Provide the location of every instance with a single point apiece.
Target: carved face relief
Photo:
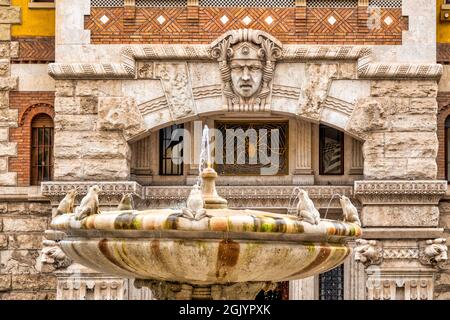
(246, 76)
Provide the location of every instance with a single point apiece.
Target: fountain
(206, 250)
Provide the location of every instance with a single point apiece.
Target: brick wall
(35, 50)
(444, 112)
(289, 25)
(29, 104)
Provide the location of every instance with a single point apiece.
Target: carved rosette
(270, 50)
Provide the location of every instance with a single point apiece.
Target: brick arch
(29, 113)
(22, 135)
(444, 113)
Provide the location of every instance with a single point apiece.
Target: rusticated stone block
(19, 224)
(73, 122)
(4, 134)
(8, 149)
(25, 241)
(4, 50)
(10, 83)
(5, 282)
(3, 241)
(90, 145)
(406, 145)
(4, 99)
(19, 208)
(5, 32)
(9, 117)
(10, 14)
(111, 170)
(3, 164)
(42, 295)
(18, 261)
(64, 88)
(33, 282)
(4, 68)
(67, 105)
(88, 105)
(14, 49)
(120, 114)
(5, 2)
(8, 179)
(40, 208)
(409, 89)
(400, 216)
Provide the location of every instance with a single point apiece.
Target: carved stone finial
(67, 205)
(247, 62)
(306, 209)
(89, 204)
(349, 210)
(368, 252)
(434, 253)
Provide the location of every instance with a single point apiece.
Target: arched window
(447, 147)
(41, 165)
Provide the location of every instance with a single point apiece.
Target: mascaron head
(247, 64)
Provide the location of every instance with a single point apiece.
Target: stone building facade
(353, 86)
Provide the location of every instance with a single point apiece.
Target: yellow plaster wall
(35, 22)
(443, 28)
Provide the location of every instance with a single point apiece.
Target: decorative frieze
(126, 69)
(400, 192)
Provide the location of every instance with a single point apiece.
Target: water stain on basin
(227, 257)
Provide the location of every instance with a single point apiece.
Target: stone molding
(250, 196)
(400, 192)
(59, 189)
(127, 68)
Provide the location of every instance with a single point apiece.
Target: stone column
(301, 137)
(8, 117)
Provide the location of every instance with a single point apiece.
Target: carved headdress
(250, 87)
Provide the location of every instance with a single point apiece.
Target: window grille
(331, 284)
(171, 151)
(247, 148)
(161, 3)
(332, 3)
(247, 3)
(41, 149)
(331, 146)
(385, 3)
(107, 3)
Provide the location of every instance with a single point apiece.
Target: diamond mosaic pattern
(248, 3)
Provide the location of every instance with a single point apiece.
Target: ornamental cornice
(127, 67)
(398, 192)
(59, 189)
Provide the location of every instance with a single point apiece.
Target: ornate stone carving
(249, 196)
(306, 209)
(434, 253)
(153, 106)
(349, 210)
(89, 204)
(368, 252)
(67, 205)
(175, 80)
(56, 189)
(407, 253)
(247, 63)
(126, 69)
(396, 192)
(53, 255)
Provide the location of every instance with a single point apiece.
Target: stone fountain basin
(228, 247)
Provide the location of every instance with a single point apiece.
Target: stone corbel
(368, 252)
(434, 253)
